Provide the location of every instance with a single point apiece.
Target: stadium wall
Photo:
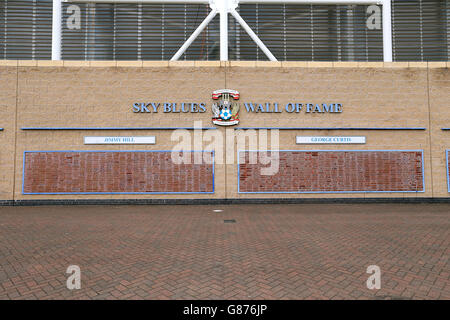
(48, 107)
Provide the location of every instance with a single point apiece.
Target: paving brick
(301, 251)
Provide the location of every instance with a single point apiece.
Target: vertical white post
(56, 30)
(387, 31)
(223, 30)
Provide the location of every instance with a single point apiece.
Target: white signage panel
(120, 140)
(330, 140)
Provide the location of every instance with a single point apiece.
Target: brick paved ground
(188, 252)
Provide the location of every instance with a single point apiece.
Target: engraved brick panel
(335, 171)
(114, 172)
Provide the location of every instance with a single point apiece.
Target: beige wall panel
(440, 118)
(99, 95)
(8, 76)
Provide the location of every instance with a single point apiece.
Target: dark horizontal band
(147, 201)
(330, 128)
(445, 129)
(116, 128)
(1, 129)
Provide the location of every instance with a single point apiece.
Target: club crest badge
(225, 110)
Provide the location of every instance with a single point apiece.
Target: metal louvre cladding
(25, 29)
(138, 32)
(420, 30)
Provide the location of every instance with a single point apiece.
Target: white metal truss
(223, 8)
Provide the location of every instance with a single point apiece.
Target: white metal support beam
(194, 35)
(253, 35)
(56, 29)
(223, 30)
(223, 7)
(387, 31)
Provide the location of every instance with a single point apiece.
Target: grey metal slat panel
(311, 33)
(420, 32)
(25, 29)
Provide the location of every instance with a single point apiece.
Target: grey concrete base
(217, 201)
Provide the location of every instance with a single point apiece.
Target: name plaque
(330, 140)
(120, 140)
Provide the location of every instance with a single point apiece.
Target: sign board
(330, 140)
(120, 140)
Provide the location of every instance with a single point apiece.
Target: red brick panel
(335, 171)
(111, 172)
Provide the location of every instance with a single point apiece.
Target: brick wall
(108, 172)
(8, 83)
(320, 171)
(101, 94)
(439, 83)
